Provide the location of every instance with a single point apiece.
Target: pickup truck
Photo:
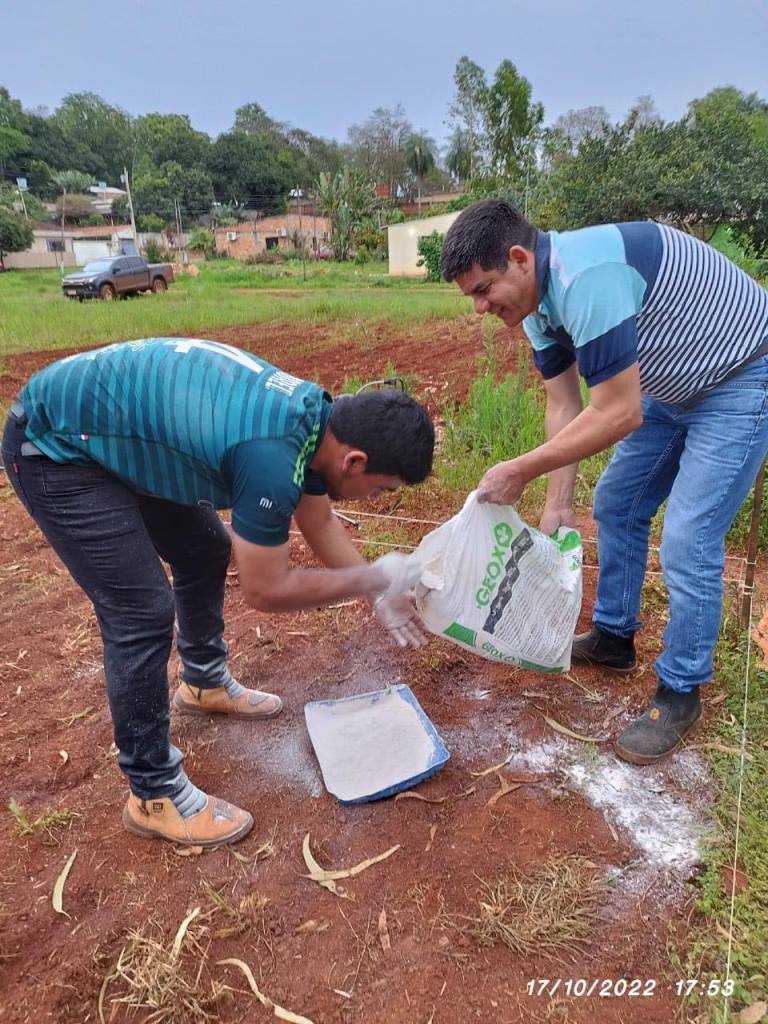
(121, 275)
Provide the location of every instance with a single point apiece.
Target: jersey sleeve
(264, 490)
(599, 311)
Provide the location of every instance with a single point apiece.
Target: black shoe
(596, 647)
(660, 730)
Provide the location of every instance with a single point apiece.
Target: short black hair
(484, 233)
(394, 431)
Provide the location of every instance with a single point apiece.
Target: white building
(404, 238)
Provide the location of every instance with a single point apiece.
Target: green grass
(34, 315)
(707, 953)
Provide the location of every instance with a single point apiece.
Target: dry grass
(167, 985)
(48, 822)
(549, 911)
(246, 914)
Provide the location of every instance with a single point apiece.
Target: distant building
(283, 231)
(74, 247)
(404, 238)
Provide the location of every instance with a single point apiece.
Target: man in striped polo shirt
(672, 340)
(122, 455)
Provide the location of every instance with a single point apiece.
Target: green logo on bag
(503, 535)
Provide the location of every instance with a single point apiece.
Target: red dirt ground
(52, 966)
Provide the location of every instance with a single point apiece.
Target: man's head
(489, 251)
(375, 441)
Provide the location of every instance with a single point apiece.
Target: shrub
(204, 241)
(268, 256)
(430, 253)
(152, 251)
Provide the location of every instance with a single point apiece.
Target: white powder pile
(369, 744)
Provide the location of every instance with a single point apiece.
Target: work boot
(597, 647)
(660, 730)
(217, 823)
(233, 699)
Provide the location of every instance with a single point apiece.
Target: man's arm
(615, 410)
(271, 585)
(324, 533)
(564, 404)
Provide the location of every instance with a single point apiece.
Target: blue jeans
(703, 457)
(111, 540)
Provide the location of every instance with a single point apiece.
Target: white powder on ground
(664, 825)
(366, 746)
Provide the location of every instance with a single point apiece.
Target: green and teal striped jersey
(187, 420)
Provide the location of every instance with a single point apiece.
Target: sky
(323, 66)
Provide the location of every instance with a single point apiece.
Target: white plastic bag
(500, 588)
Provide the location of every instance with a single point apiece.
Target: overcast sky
(326, 64)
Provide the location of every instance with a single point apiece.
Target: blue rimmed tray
(373, 745)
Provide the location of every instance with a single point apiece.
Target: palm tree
(420, 155)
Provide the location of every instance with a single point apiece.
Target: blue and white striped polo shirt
(618, 294)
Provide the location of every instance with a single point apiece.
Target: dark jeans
(111, 540)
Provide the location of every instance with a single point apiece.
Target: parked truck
(121, 275)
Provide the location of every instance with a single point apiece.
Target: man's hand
(503, 484)
(551, 518)
(398, 614)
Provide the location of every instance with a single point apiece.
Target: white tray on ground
(374, 744)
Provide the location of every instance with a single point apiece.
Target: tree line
(707, 168)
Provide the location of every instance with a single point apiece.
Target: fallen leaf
(58, 888)
(310, 926)
(504, 788)
(493, 768)
(386, 945)
(73, 718)
(611, 715)
(280, 1012)
(752, 1014)
(64, 756)
(432, 833)
(318, 873)
(188, 851)
(341, 992)
(176, 949)
(722, 748)
(569, 732)
(410, 795)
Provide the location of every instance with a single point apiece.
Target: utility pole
(130, 208)
(301, 236)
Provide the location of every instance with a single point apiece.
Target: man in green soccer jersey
(122, 455)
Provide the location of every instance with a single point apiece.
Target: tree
(11, 199)
(512, 121)
(420, 154)
(99, 133)
(376, 148)
(576, 125)
(15, 233)
(13, 128)
(76, 208)
(164, 138)
(347, 199)
(67, 182)
(156, 190)
(458, 159)
(467, 113)
(250, 171)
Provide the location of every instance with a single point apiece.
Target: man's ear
(354, 463)
(520, 257)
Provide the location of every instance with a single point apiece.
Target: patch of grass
(707, 952)
(167, 984)
(550, 911)
(499, 420)
(48, 822)
(37, 317)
